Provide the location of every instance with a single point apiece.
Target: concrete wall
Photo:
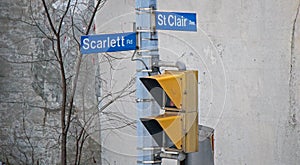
(247, 54)
(117, 71)
(30, 93)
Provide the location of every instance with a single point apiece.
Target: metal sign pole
(147, 54)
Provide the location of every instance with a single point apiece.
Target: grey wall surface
(247, 54)
(118, 71)
(30, 93)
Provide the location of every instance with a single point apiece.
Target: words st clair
(173, 20)
(106, 42)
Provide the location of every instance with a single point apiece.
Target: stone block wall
(30, 92)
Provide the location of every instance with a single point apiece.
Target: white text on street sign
(175, 21)
(108, 43)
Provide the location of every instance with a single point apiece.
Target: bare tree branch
(49, 17)
(63, 16)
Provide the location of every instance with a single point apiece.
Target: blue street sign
(175, 21)
(108, 43)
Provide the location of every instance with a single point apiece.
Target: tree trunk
(64, 149)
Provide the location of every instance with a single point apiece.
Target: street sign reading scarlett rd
(108, 43)
(175, 21)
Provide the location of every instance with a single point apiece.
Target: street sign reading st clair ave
(108, 43)
(175, 21)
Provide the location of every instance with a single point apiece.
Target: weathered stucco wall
(30, 91)
(247, 54)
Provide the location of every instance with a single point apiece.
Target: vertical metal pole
(148, 52)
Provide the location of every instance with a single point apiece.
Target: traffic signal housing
(177, 93)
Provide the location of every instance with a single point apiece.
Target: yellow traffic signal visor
(165, 88)
(165, 129)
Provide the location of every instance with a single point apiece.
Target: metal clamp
(149, 161)
(147, 50)
(149, 148)
(151, 11)
(138, 100)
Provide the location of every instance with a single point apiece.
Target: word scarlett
(106, 42)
